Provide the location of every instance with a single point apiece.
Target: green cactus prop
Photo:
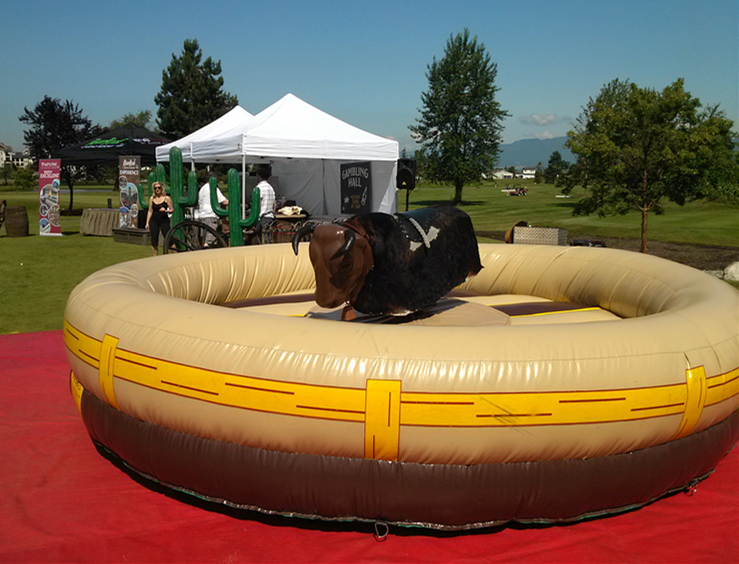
(233, 212)
(180, 197)
(161, 176)
(143, 198)
(214, 203)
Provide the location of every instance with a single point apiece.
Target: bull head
(341, 259)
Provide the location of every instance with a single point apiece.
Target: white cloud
(546, 134)
(539, 119)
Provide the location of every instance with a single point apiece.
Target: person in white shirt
(204, 212)
(266, 198)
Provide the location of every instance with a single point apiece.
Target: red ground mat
(62, 501)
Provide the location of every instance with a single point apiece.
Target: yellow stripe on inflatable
(382, 422)
(287, 398)
(383, 407)
(541, 408)
(722, 387)
(555, 312)
(84, 347)
(696, 388)
(106, 368)
(76, 389)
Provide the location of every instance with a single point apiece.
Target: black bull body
(392, 264)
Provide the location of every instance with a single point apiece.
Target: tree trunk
(71, 194)
(457, 193)
(644, 215)
(69, 178)
(644, 242)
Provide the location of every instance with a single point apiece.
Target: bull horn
(300, 233)
(348, 243)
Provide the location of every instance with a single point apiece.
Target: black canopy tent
(105, 148)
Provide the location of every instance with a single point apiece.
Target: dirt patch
(702, 257)
(68, 212)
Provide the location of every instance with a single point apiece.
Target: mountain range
(530, 152)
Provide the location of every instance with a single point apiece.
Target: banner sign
(49, 174)
(356, 187)
(129, 170)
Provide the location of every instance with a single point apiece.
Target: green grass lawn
(38, 273)
(706, 223)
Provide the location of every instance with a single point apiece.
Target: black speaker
(406, 177)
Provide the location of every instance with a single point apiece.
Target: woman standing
(157, 220)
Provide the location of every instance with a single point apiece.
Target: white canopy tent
(235, 118)
(306, 148)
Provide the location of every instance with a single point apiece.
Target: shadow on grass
(429, 203)
(30, 234)
(570, 205)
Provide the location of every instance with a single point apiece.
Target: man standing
(204, 211)
(266, 199)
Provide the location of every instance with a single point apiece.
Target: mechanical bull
(391, 264)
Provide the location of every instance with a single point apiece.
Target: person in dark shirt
(157, 218)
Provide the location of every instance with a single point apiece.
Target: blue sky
(365, 62)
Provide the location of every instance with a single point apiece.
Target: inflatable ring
(621, 387)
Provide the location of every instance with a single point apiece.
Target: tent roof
(236, 117)
(104, 149)
(292, 128)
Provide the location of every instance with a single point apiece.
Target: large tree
(555, 167)
(461, 121)
(53, 125)
(192, 93)
(142, 119)
(636, 146)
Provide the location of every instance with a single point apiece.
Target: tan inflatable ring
(559, 383)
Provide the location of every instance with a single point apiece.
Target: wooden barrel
(16, 221)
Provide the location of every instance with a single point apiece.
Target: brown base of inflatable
(440, 496)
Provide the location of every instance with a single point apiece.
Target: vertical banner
(49, 216)
(129, 170)
(356, 187)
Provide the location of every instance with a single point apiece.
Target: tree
(420, 157)
(636, 146)
(6, 172)
(555, 167)
(24, 178)
(460, 125)
(54, 125)
(539, 174)
(142, 119)
(191, 95)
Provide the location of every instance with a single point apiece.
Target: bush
(25, 179)
(725, 194)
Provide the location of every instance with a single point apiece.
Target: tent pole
(243, 186)
(192, 161)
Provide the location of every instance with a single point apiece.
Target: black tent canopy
(105, 149)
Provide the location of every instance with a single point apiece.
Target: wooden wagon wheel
(190, 235)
